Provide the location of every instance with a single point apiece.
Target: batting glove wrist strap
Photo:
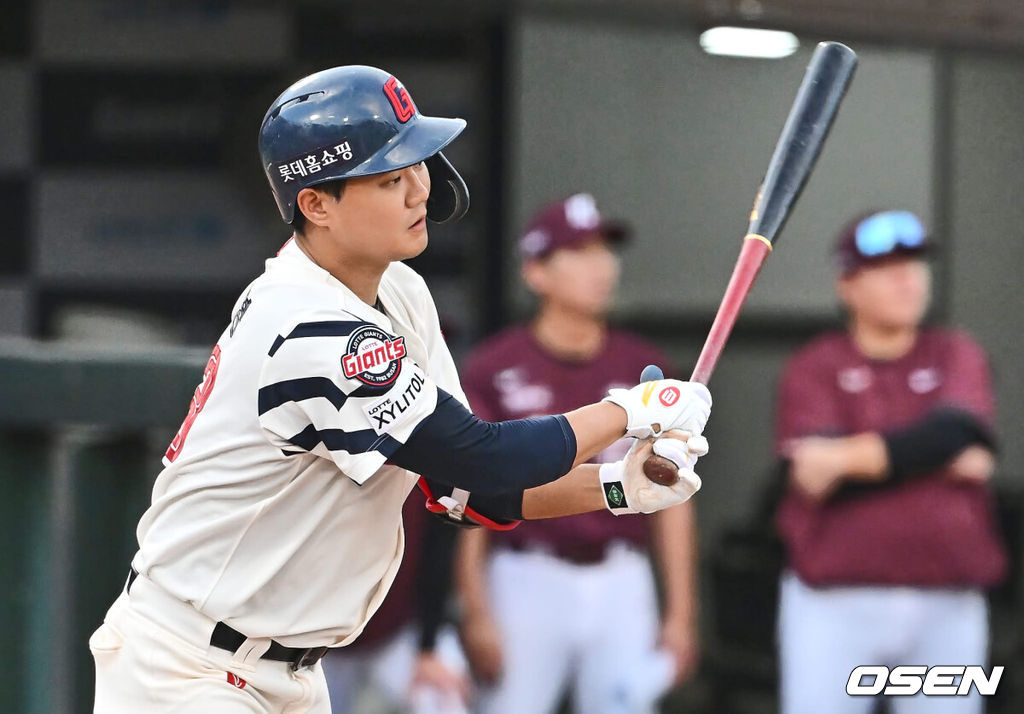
(613, 488)
(628, 490)
(653, 408)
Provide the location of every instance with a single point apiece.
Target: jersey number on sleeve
(196, 405)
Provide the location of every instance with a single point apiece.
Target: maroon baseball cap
(875, 236)
(568, 224)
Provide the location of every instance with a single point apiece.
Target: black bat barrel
(810, 118)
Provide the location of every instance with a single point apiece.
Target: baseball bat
(810, 118)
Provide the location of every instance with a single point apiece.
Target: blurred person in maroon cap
(886, 431)
(543, 605)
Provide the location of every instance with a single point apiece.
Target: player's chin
(415, 243)
(597, 306)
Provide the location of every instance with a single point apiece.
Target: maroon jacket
(926, 531)
(510, 376)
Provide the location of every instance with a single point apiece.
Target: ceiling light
(748, 42)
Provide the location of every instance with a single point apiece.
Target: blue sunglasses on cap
(884, 232)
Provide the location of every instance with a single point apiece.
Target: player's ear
(534, 276)
(845, 289)
(311, 203)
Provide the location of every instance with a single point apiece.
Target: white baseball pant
(824, 633)
(387, 670)
(152, 655)
(593, 627)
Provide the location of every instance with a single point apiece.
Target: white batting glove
(628, 490)
(682, 452)
(653, 408)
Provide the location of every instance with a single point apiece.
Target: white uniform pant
(354, 675)
(593, 627)
(824, 633)
(153, 655)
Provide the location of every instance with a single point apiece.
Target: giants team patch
(373, 356)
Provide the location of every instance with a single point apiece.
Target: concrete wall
(986, 256)
(677, 141)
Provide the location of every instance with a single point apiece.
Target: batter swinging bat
(810, 118)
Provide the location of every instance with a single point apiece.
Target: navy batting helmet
(356, 121)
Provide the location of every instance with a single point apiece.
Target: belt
(228, 638)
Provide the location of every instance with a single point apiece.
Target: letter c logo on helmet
(355, 121)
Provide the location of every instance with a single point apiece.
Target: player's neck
(362, 277)
(881, 342)
(569, 334)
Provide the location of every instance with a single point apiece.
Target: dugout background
(135, 210)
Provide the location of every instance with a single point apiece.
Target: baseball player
(535, 614)
(275, 527)
(408, 657)
(886, 429)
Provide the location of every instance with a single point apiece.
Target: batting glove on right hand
(653, 408)
(628, 490)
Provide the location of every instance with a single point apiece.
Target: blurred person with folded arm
(886, 432)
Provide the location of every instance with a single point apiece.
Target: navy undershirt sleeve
(454, 447)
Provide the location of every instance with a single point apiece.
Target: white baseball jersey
(276, 511)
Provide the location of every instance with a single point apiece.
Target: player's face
(893, 294)
(580, 279)
(383, 217)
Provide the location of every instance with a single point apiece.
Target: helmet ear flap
(449, 196)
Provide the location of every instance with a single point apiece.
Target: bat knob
(651, 373)
(660, 470)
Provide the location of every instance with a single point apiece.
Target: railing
(81, 433)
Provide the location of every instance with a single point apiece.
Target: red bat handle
(755, 251)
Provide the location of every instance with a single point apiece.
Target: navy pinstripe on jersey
(344, 390)
(326, 328)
